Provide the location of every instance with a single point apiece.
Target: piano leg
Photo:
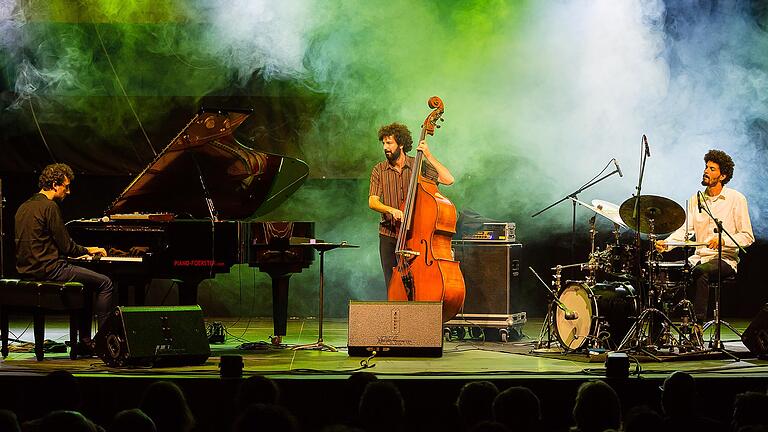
(188, 290)
(139, 287)
(280, 305)
(140, 291)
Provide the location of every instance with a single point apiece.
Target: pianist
(43, 243)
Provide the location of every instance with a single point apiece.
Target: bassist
(389, 185)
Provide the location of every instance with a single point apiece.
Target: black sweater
(42, 240)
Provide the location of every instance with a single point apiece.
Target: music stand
(321, 247)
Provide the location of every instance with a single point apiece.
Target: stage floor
(461, 358)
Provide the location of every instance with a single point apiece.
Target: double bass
(425, 269)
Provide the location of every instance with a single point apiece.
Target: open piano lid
(240, 182)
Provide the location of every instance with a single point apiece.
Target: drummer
(727, 205)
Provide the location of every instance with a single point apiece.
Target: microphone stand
(572, 196)
(637, 338)
(636, 216)
(715, 343)
(549, 321)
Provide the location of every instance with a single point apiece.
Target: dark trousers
(387, 254)
(95, 283)
(702, 275)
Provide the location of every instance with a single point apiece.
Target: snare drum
(604, 311)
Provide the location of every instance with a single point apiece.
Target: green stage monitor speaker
(413, 329)
(153, 336)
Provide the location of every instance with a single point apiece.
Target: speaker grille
(491, 276)
(395, 328)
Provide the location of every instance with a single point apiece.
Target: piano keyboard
(108, 259)
(154, 217)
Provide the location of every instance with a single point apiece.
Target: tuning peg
(442, 119)
(437, 126)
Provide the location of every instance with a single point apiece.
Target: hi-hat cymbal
(604, 208)
(666, 214)
(609, 210)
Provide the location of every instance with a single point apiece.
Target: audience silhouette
(165, 404)
(132, 420)
(518, 408)
(596, 408)
(381, 407)
(475, 402)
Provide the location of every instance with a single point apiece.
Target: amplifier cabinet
(491, 276)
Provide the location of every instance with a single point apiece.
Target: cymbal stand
(592, 266)
(715, 343)
(640, 335)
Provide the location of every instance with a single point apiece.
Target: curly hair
(53, 175)
(722, 159)
(401, 134)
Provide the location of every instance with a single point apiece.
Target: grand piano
(185, 216)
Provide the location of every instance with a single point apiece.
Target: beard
(394, 156)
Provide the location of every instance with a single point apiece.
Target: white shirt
(730, 207)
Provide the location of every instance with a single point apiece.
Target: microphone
(571, 315)
(647, 149)
(615, 162)
(698, 200)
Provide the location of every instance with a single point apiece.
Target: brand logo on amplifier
(385, 340)
(395, 321)
(166, 349)
(162, 348)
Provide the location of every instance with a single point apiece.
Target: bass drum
(600, 314)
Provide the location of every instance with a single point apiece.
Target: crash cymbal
(604, 208)
(667, 215)
(609, 210)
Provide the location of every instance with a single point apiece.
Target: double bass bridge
(408, 253)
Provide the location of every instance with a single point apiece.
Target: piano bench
(40, 298)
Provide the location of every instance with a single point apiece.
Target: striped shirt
(392, 187)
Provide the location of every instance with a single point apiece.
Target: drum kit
(628, 298)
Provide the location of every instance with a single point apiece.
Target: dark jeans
(702, 275)
(387, 254)
(95, 283)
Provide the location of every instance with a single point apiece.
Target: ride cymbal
(666, 214)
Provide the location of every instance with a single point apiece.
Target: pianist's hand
(96, 251)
